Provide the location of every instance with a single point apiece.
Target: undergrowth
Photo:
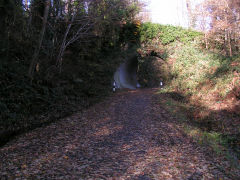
(166, 33)
(194, 66)
(202, 88)
(25, 105)
(205, 79)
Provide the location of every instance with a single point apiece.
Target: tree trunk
(206, 41)
(229, 44)
(226, 42)
(63, 45)
(37, 50)
(190, 14)
(26, 4)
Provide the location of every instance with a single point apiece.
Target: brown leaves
(122, 138)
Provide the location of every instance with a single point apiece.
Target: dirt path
(124, 137)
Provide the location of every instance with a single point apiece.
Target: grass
(195, 66)
(198, 88)
(199, 76)
(205, 79)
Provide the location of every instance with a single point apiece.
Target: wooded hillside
(59, 56)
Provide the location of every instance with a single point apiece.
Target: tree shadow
(223, 121)
(126, 138)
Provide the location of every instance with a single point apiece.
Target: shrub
(166, 33)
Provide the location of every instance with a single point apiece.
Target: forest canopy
(45, 29)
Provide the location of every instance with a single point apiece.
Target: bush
(166, 33)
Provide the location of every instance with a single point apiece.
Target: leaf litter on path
(124, 137)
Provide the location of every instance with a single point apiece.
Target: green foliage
(129, 34)
(194, 66)
(155, 39)
(148, 32)
(166, 33)
(197, 81)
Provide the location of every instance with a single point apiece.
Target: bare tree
(77, 21)
(37, 49)
(190, 14)
(223, 19)
(202, 15)
(83, 24)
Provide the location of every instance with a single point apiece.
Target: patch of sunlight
(194, 132)
(107, 130)
(203, 63)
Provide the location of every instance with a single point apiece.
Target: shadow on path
(124, 137)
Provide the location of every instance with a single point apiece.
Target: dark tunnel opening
(126, 74)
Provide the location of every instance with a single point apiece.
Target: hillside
(201, 86)
(58, 58)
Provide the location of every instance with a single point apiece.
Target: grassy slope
(203, 88)
(209, 85)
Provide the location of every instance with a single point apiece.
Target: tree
(57, 25)
(190, 14)
(36, 52)
(223, 19)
